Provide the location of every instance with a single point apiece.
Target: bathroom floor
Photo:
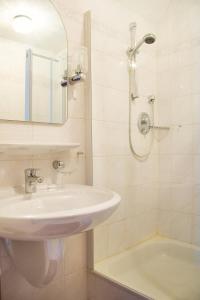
(162, 269)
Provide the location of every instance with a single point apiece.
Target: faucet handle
(35, 172)
(31, 179)
(28, 171)
(32, 172)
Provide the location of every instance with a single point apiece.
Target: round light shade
(22, 24)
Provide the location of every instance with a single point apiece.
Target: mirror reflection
(33, 60)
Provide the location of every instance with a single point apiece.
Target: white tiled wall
(113, 164)
(179, 97)
(175, 81)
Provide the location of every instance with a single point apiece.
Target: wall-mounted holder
(160, 127)
(71, 80)
(77, 68)
(60, 166)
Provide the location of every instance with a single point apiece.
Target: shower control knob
(144, 123)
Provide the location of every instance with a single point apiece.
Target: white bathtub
(161, 269)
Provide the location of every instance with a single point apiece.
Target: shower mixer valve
(144, 123)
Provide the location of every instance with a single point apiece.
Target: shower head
(149, 38)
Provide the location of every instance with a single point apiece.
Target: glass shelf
(35, 149)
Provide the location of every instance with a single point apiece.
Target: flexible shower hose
(141, 157)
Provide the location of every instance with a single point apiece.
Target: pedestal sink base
(37, 262)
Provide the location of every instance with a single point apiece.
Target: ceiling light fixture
(22, 24)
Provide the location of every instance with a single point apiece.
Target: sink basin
(32, 225)
(57, 213)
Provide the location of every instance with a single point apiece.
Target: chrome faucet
(31, 180)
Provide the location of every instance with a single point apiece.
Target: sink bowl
(53, 214)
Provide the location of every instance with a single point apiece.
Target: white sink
(52, 214)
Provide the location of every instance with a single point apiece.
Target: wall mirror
(33, 60)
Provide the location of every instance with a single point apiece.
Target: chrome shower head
(149, 38)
